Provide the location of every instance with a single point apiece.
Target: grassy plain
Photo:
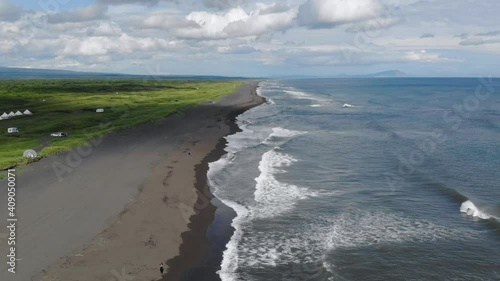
(69, 105)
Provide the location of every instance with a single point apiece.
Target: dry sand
(121, 208)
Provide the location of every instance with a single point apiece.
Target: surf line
(11, 220)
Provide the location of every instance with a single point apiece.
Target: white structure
(5, 115)
(1, 118)
(19, 113)
(99, 110)
(12, 114)
(346, 105)
(59, 135)
(12, 130)
(27, 112)
(30, 153)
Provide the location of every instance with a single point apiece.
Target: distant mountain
(15, 73)
(383, 74)
(389, 73)
(33, 73)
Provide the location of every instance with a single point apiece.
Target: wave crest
(470, 209)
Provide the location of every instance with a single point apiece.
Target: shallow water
(402, 185)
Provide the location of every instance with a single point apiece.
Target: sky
(439, 38)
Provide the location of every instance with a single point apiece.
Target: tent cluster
(14, 114)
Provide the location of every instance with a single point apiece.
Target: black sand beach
(121, 206)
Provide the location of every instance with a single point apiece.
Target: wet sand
(121, 206)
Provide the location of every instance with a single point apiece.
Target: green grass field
(69, 106)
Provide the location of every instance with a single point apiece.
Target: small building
(18, 113)
(99, 110)
(12, 130)
(5, 115)
(27, 112)
(12, 114)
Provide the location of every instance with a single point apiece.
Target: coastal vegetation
(69, 105)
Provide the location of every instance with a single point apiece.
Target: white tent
(12, 114)
(19, 113)
(27, 112)
(1, 118)
(5, 115)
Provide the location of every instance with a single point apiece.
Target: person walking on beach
(161, 268)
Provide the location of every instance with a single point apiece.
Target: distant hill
(33, 73)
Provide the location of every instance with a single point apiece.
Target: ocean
(364, 179)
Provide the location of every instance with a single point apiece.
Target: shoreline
(200, 261)
(122, 206)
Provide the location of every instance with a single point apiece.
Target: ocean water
(365, 179)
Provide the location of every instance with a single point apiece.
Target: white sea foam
(354, 229)
(279, 132)
(214, 168)
(315, 105)
(471, 210)
(311, 242)
(304, 96)
(230, 260)
(272, 196)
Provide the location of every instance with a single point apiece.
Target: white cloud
(258, 24)
(105, 29)
(424, 56)
(238, 23)
(100, 45)
(330, 13)
(167, 20)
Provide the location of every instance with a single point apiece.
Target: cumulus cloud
(424, 56)
(330, 13)
(237, 23)
(100, 45)
(9, 11)
(167, 20)
(427, 35)
(105, 29)
(94, 12)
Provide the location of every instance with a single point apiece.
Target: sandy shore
(120, 207)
